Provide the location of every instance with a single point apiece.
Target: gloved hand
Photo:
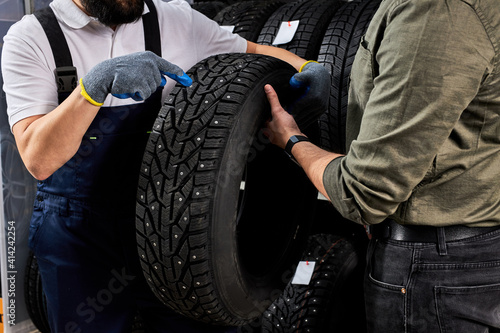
(313, 81)
(135, 76)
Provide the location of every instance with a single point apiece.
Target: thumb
(168, 67)
(296, 83)
(300, 80)
(273, 99)
(183, 79)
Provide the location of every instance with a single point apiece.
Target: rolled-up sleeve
(428, 60)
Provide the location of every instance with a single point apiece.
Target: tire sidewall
(251, 117)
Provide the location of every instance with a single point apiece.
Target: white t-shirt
(28, 64)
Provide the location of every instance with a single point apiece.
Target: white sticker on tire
(286, 32)
(304, 272)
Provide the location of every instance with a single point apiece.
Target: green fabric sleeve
(420, 65)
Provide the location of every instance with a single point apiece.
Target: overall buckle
(66, 79)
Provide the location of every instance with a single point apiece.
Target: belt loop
(441, 243)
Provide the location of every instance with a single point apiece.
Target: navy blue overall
(83, 231)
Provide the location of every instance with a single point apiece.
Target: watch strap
(292, 141)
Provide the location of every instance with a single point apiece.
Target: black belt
(425, 234)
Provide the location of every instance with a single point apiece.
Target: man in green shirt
(423, 164)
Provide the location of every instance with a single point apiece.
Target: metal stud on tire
(221, 213)
(324, 304)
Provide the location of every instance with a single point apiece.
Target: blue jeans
(411, 287)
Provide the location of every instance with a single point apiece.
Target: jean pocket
(385, 299)
(468, 308)
(385, 285)
(385, 304)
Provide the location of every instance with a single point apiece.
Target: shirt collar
(74, 17)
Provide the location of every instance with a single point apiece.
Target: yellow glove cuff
(304, 64)
(87, 96)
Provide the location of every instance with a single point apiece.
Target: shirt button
(39, 198)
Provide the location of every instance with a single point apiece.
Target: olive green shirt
(423, 122)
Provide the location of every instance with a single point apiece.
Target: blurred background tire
(338, 49)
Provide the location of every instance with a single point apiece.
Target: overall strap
(65, 72)
(152, 42)
(152, 29)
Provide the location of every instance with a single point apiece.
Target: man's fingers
(183, 79)
(266, 131)
(168, 67)
(295, 83)
(272, 97)
(174, 72)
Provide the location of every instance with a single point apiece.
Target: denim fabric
(410, 287)
(83, 233)
(91, 274)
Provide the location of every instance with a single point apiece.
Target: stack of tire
(223, 216)
(333, 300)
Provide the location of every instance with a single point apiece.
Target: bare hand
(282, 125)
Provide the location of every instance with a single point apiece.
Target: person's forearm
(281, 127)
(314, 161)
(276, 52)
(47, 142)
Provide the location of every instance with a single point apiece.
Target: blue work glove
(313, 84)
(136, 76)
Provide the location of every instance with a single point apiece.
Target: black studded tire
(332, 301)
(247, 17)
(36, 304)
(314, 16)
(221, 213)
(337, 53)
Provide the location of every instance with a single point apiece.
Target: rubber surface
(209, 8)
(209, 248)
(247, 17)
(34, 296)
(324, 304)
(337, 53)
(314, 16)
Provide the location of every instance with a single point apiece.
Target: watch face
(294, 139)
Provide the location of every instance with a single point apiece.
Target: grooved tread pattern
(209, 8)
(314, 16)
(177, 183)
(339, 47)
(305, 308)
(247, 17)
(34, 295)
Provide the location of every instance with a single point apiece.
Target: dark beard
(114, 12)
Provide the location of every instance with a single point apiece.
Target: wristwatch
(292, 141)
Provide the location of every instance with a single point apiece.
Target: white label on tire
(304, 272)
(286, 32)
